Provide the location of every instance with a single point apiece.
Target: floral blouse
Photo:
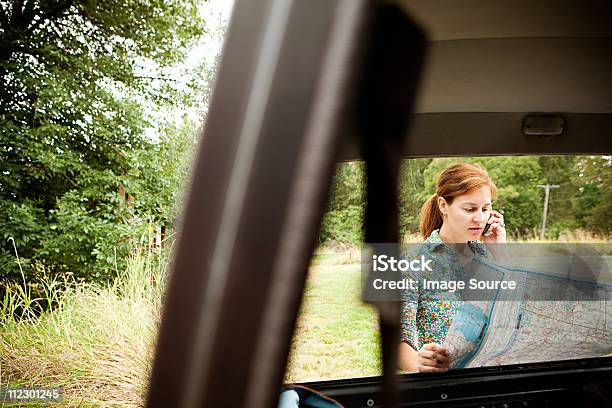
(428, 314)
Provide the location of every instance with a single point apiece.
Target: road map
(561, 309)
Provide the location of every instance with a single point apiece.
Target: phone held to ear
(487, 226)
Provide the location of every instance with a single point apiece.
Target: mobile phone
(487, 226)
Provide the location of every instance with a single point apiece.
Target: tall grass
(575, 236)
(97, 342)
(566, 236)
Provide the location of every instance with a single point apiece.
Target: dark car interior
(303, 85)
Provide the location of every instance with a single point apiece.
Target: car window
(337, 335)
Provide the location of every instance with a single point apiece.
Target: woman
(457, 213)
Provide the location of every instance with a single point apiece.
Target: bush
(344, 225)
(89, 230)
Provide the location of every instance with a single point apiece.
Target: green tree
(560, 171)
(593, 199)
(343, 221)
(583, 199)
(76, 75)
(410, 195)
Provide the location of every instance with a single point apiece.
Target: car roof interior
(490, 64)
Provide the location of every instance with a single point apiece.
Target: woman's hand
(432, 358)
(497, 234)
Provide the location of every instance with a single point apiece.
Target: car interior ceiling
(491, 64)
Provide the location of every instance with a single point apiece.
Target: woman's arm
(431, 358)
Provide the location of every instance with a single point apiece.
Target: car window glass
(337, 335)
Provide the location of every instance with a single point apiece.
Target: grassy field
(336, 335)
(98, 342)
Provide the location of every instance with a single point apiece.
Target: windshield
(548, 215)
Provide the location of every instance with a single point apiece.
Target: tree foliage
(593, 200)
(344, 218)
(583, 199)
(77, 76)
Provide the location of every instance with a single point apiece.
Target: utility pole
(546, 188)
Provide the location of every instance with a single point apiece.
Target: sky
(216, 14)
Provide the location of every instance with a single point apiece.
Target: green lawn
(336, 335)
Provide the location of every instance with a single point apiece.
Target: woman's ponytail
(431, 218)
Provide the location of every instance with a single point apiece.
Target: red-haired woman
(457, 213)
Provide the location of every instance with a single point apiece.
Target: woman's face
(466, 217)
